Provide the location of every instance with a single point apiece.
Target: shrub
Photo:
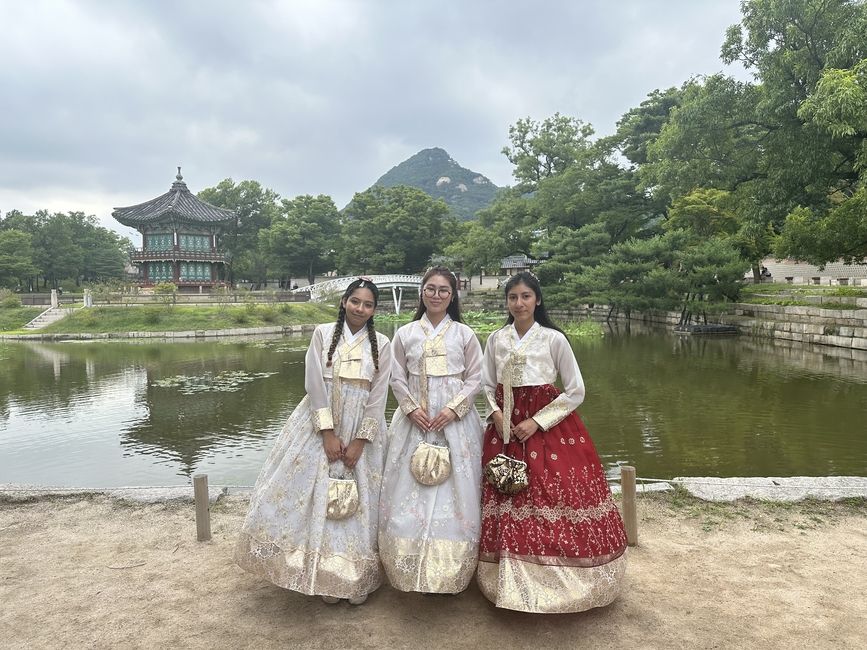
(9, 300)
(268, 314)
(151, 315)
(240, 316)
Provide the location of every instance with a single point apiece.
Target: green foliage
(820, 236)
(255, 207)
(302, 238)
(704, 212)
(16, 258)
(166, 293)
(391, 230)
(543, 149)
(504, 228)
(14, 318)
(664, 272)
(151, 315)
(465, 192)
(56, 247)
(9, 300)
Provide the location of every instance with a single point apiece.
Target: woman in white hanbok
(337, 429)
(429, 534)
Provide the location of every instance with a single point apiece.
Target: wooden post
(203, 507)
(630, 515)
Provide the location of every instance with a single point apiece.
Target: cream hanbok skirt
(429, 535)
(286, 537)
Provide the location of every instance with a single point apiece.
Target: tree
(542, 149)
(703, 212)
(302, 239)
(807, 55)
(674, 270)
(569, 251)
(255, 208)
(16, 258)
(57, 255)
(640, 126)
(391, 230)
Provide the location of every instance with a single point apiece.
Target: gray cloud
(102, 100)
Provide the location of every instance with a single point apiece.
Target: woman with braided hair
(291, 535)
(429, 524)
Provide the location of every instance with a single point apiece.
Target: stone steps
(49, 316)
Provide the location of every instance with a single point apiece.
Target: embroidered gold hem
(309, 571)
(554, 560)
(550, 514)
(434, 566)
(545, 589)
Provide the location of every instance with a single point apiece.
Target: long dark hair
(541, 314)
(454, 308)
(359, 283)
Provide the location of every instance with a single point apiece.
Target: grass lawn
(161, 318)
(14, 318)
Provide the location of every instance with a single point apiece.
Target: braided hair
(454, 308)
(540, 315)
(359, 283)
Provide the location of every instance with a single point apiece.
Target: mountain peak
(435, 172)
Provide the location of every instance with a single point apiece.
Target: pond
(111, 414)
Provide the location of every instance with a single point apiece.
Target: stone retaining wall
(845, 328)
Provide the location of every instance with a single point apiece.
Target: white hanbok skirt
(286, 537)
(429, 535)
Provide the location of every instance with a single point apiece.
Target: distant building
(179, 238)
(517, 263)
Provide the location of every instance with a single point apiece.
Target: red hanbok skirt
(558, 546)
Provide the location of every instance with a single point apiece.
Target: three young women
(337, 431)
(429, 533)
(559, 545)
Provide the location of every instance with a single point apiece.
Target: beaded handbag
(509, 475)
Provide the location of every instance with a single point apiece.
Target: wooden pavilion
(179, 238)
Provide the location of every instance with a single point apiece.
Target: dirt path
(93, 572)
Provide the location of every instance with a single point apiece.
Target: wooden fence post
(203, 507)
(630, 515)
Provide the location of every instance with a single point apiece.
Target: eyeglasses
(430, 291)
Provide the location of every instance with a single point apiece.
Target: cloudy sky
(101, 100)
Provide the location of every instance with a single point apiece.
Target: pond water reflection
(100, 414)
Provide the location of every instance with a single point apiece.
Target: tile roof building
(179, 238)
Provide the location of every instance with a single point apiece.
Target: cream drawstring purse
(342, 497)
(430, 464)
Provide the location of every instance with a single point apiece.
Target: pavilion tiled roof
(178, 202)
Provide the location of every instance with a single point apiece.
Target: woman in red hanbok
(559, 545)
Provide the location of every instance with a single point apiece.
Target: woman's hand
(332, 444)
(444, 417)
(420, 419)
(525, 429)
(353, 452)
(497, 417)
